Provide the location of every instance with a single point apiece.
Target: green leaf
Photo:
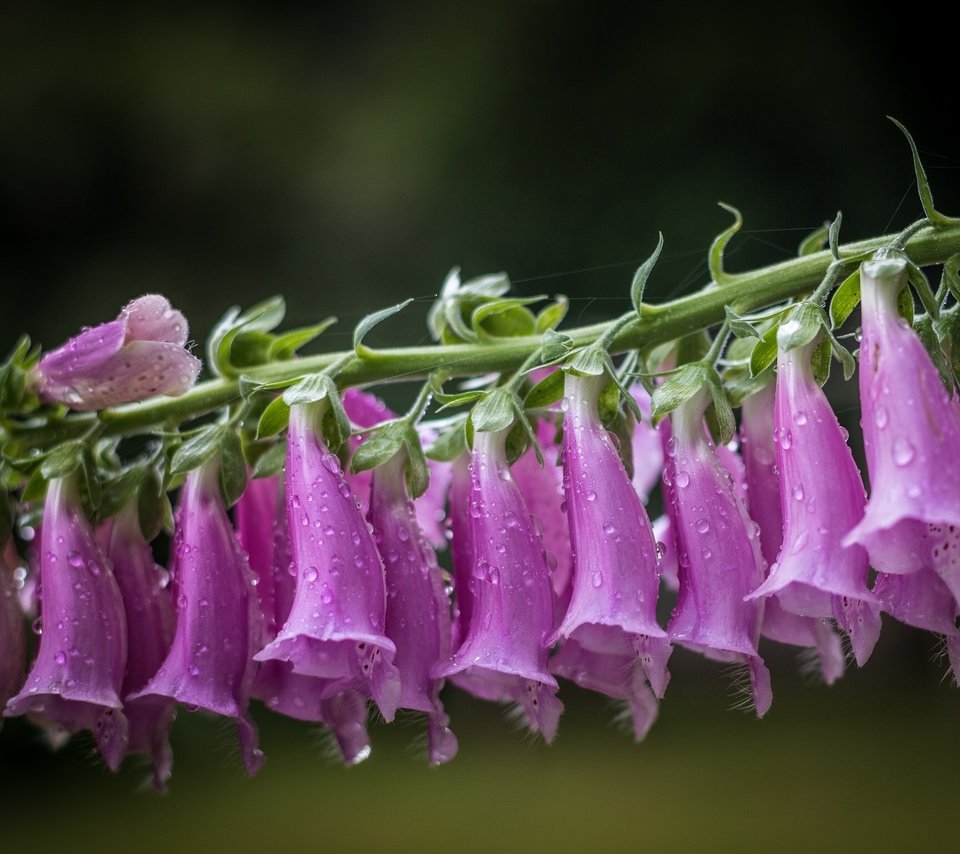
(554, 346)
(845, 299)
(719, 246)
(335, 424)
(153, 507)
(36, 487)
(449, 401)
(450, 444)
(62, 460)
(764, 352)
(905, 307)
(371, 320)
(119, 489)
(274, 418)
(417, 469)
(548, 390)
(814, 241)
(233, 467)
(801, 326)
(271, 461)
(285, 346)
(264, 316)
(639, 282)
(842, 355)
(494, 412)
(197, 449)
(936, 218)
(379, 447)
(527, 428)
(921, 284)
(214, 342)
(682, 385)
(927, 332)
(552, 316)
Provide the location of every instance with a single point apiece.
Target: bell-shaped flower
(617, 676)
(418, 611)
(262, 529)
(616, 578)
(646, 447)
(210, 662)
(151, 617)
(921, 599)
(77, 677)
(461, 548)
(503, 655)
(762, 482)
(138, 355)
(336, 625)
(367, 410)
(12, 640)
(911, 435)
(717, 551)
(542, 489)
(821, 499)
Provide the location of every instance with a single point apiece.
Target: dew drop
(597, 579)
(798, 492)
(75, 559)
(703, 526)
(902, 451)
(310, 573)
(609, 528)
(682, 479)
(880, 417)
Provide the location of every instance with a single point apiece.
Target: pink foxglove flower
(12, 641)
(461, 548)
(616, 577)
(262, 529)
(821, 499)
(911, 434)
(418, 610)
(138, 355)
(77, 677)
(647, 449)
(151, 618)
(762, 483)
(210, 663)
(717, 551)
(503, 655)
(336, 626)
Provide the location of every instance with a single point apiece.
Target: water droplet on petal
(902, 451)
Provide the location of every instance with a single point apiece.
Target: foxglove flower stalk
(418, 611)
(616, 577)
(12, 641)
(262, 526)
(762, 482)
(77, 677)
(821, 499)
(503, 655)
(718, 552)
(210, 662)
(911, 435)
(336, 626)
(150, 617)
(138, 355)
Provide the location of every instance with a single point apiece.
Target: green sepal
(153, 505)
(588, 361)
(740, 384)
(800, 327)
(548, 390)
(842, 355)
(677, 389)
(814, 241)
(719, 245)
(927, 332)
(233, 467)
(6, 517)
(524, 422)
(335, 423)
(820, 362)
(417, 470)
(833, 236)
(371, 320)
(35, 488)
(552, 316)
(937, 219)
(921, 284)
(554, 346)
(504, 318)
(196, 450)
(905, 307)
(738, 326)
(719, 415)
(63, 460)
(764, 353)
(639, 283)
(274, 418)
(449, 401)
(270, 462)
(450, 444)
(285, 346)
(259, 319)
(495, 411)
(311, 389)
(383, 445)
(845, 299)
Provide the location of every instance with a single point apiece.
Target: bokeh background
(346, 156)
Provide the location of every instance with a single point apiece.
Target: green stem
(673, 319)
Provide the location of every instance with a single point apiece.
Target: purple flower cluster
(325, 596)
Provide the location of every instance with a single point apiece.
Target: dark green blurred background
(347, 157)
